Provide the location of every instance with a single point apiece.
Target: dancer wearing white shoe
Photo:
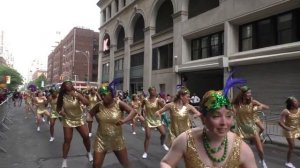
(68, 105)
(40, 101)
(136, 104)
(93, 98)
(109, 135)
(153, 104)
(248, 123)
(53, 113)
(290, 122)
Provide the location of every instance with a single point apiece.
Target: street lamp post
(87, 55)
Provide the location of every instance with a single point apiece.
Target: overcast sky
(31, 27)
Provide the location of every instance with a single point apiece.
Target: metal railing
(272, 128)
(5, 108)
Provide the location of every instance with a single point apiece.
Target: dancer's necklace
(210, 151)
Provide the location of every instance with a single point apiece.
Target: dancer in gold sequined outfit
(40, 101)
(109, 135)
(151, 105)
(93, 98)
(68, 105)
(290, 122)
(248, 123)
(53, 113)
(179, 113)
(137, 105)
(215, 145)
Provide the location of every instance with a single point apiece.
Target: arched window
(121, 37)
(139, 28)
(164, 18)
(106, 44)
(197, 7)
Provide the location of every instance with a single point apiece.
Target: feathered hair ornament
(231, 82)
(106, 88)
(32, 87)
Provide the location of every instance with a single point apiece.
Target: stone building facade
(163, 43)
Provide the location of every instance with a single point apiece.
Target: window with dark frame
(207, 46)
(274, 30)
(196, 7)
(117, 5)
(162, 57)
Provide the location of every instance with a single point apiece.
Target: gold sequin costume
(28, 99)
(246, 117)
(40, 106)
(109, 135)
(293, 121)
(54, 113)
(73, 111)
(93, 101)
(137, 106)
(193, 160)
(180, 121)
(151, 119)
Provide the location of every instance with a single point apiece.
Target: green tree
(15, 77)
(38, 82)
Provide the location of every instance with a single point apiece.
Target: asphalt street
(27, 148)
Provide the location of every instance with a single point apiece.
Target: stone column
(147, 76)
(120, 4)
(126, 76)
(107, 14)
(113, 8)
(180, 51)
(113, 48)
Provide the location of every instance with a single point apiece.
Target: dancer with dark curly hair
(68, 105)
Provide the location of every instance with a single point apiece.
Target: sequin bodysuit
(40, 106)
(292, 121)
(246, 117)
(193, 159)
(73, 111)
(151, 120)
(109, 135)
(180, 121)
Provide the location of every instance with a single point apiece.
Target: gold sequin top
(150, 108)
(107, 119)
(136, 105)
(292, 121)
(53, 104)
(193, 159)
(74, 113)
(246, 117)
(109, 135)
(40, 105)
(180, 121)
(93, 100)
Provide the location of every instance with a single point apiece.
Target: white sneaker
(90, 156)
(64, 163)
(90, 134)
(145, 155)
(143, 129)
(289, 165)
(43, 119)
(51, 139)
(263, 164)
(165, 147)
(38, 129)
(133, 132)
